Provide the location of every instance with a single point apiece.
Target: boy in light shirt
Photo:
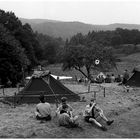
(43, 110)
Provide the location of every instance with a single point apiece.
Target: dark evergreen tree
(12, 58)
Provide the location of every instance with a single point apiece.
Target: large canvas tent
(43, 83)
(134, 80)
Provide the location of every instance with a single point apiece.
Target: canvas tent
(61, 77)
(54, 76)
(43, 83)
(134, 80)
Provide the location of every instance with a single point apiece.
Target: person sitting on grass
(118, 79)
(43, 110)
(65, 115)
(92, 112)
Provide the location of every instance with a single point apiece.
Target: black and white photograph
(69, 69)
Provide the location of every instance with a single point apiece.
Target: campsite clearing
(122, 106)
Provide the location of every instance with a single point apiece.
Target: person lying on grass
(65, 115)
(92, 112)
(43, 110)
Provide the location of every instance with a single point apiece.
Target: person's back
(43, 110)
(64, 119)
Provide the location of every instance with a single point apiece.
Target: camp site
(69, 77)
(18, 121)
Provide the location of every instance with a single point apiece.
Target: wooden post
(88, 86)
(14, 99)
(18, 86)
(104, 91)
(95, 95)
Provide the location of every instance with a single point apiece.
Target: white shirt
(43, 109)
(89, 113)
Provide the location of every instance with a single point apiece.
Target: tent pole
(56, 99)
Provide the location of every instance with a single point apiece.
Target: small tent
(42, 82)
(134, 80)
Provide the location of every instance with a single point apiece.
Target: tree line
(21, 49)
(82, 51)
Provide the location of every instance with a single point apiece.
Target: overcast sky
(88, 11)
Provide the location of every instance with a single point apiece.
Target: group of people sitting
(109, 79)
(112, 78)
(65, 113)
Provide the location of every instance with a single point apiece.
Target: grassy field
(129, 62)
(122, 106)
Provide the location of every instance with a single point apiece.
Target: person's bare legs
(94, 121)
(105, 119)
(74, 120)
(97, 123)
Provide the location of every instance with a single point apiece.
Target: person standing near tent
(112, 78)
(65, 115)
(118, 78)
(125, 77)
(43, 110)
(92, 112)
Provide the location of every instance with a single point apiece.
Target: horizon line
(78, 21)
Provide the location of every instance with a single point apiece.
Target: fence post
(104, 91)
(14, 99)
(18, 87)
(88, 86)
(95, 95)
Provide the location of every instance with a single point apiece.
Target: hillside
(68, 29)
(129, 62)
(121, 106)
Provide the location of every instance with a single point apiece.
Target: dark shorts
(87, 118)
(44, 118)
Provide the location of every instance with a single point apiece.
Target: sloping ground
(123, 107)
(129, 62)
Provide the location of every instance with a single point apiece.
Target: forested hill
(22, 49)
(68, 29)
